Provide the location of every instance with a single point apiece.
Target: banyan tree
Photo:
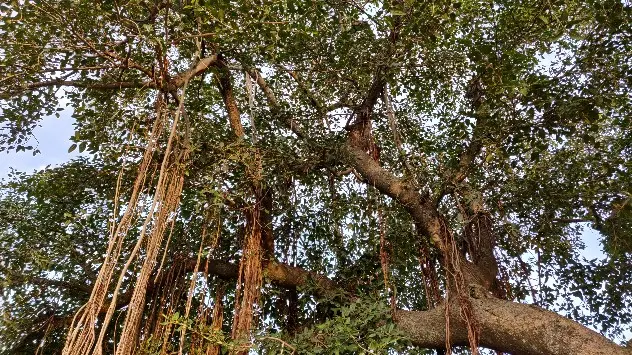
(318, 176)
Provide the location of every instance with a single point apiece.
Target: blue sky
(52, 139)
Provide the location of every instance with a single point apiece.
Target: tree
(333, 176)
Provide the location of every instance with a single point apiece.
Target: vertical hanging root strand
(81, 335)
(454, 272)
(192, 286)
(218, 318)
(81, 339)
(385, 258)
(429, 276)
(448, 344)
(249, 282)
(166, 201)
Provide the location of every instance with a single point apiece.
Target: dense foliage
(355, 128)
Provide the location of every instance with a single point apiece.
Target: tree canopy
(318, 176)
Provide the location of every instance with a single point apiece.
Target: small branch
(339, 105)
(176, 82)
(316, 103)
(42, 281)
(466, 161)
(201, 35)
(344, 172)
(126, 62)
(283, 342)
(274, 103)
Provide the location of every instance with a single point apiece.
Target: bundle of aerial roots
(142, 324)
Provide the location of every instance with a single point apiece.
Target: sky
(52, 139)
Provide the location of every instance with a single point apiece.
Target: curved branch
(419, 206)
(508, 327)
(198, 69)
(179, 80)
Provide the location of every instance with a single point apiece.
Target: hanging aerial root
(429, 277)
(456, 281)
(81, 335)
(217, 317)
(192, 284)
(249, 281)
(385, 256)
(164, 206)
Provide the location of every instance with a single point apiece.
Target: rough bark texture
(508, 327)
(425, 216)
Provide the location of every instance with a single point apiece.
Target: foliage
(536, 95)
(363, 326)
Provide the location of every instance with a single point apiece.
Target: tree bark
(506, 326)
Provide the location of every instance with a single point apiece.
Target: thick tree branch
(226, 89)
(505, 326)
(422, 211)
(358, 145)
(476, 96)
(419, 206)
(509, 327)
(277, 273)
